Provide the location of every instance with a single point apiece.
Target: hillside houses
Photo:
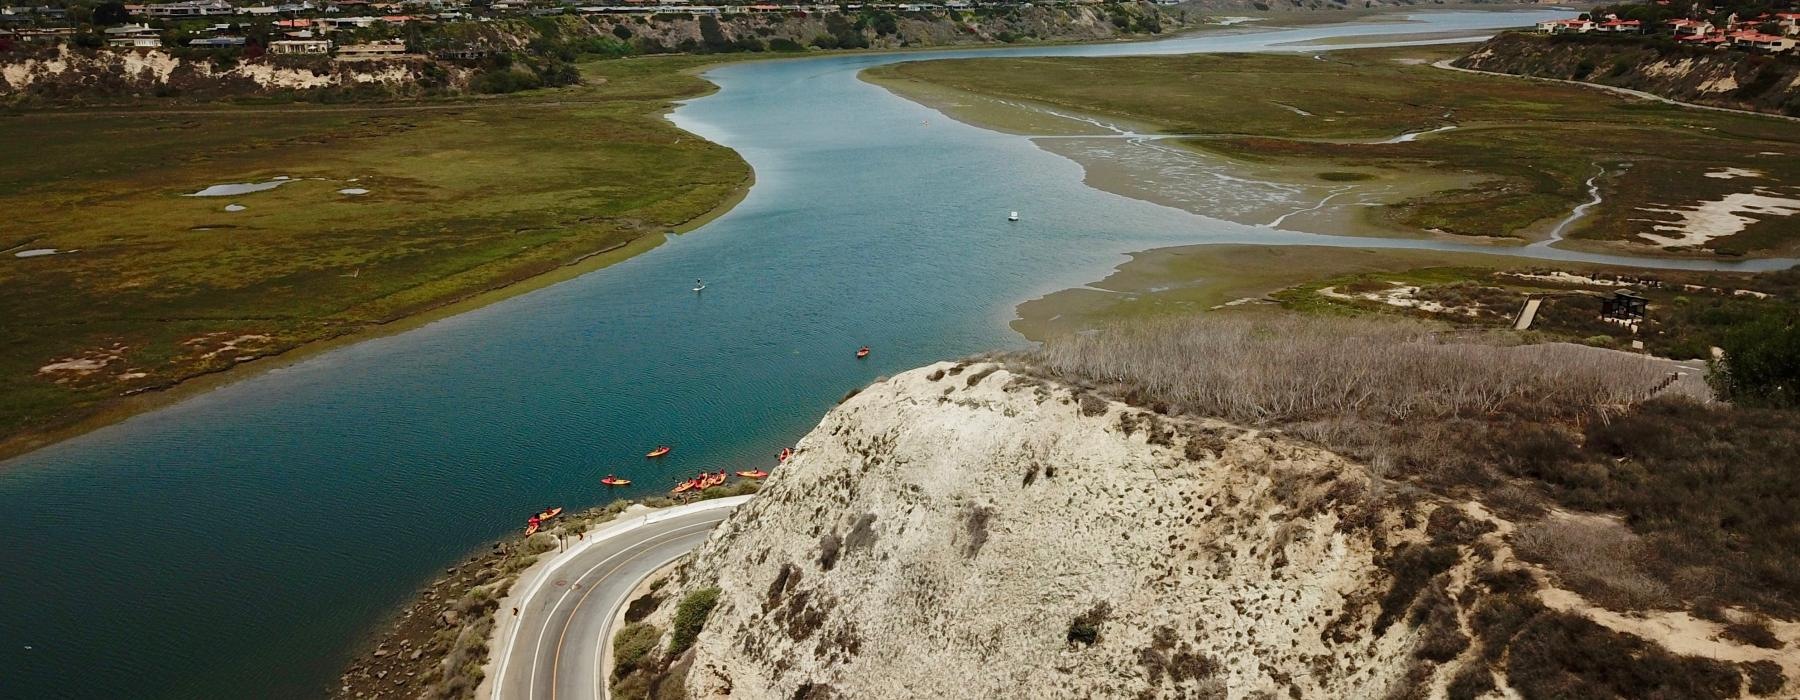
(1749, 35)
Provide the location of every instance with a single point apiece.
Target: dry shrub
(1294, 369)
(1710, 487)
(1596, 557)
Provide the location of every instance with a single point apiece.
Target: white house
(194, 8)
(299, 46)
(1563, 26)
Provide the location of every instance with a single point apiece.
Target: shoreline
(380, 657)
(128, 407)
(1287, 194)
(1062, 130)
(1244, 278)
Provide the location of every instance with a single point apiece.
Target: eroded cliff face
(963, 530)
(1722, 78)
(65, 74)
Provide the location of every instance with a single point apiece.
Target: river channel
(240, 543)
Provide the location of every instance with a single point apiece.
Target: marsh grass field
(1516, 163)
(445, 200)
(1689, 311)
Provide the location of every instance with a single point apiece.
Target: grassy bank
(1689, 312)
(461, 198)
(1516, 162)
(1192, 279)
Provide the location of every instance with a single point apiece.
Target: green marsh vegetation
(462, 198)
(1532, 145)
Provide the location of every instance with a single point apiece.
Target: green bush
(690, 618)
(632, 646)
(1761, 366)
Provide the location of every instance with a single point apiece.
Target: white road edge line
(618, 528)
(602, 691)
(538, 650)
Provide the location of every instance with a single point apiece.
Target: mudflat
(1381, 142)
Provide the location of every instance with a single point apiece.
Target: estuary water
(240, 543)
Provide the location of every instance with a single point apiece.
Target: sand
(1719, 218)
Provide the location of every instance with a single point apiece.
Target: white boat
(698, 285)
(1013, 216)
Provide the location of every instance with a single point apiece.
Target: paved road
(565, 614)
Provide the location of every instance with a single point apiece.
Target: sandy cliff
(1732, 79)
(963, 530)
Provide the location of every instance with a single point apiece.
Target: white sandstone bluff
(963, 531)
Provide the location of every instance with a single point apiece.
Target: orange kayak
(658, 452)
(862, 353)
(615, 481)
(551, 513)
(756, 474)
(715, 480)
(685, 486)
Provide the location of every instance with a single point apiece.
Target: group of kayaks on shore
(701, 482)
(537, 521)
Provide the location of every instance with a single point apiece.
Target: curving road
(553, 649)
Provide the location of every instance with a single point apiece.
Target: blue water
(238, 544)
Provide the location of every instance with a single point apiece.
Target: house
(1789, 23)
(1564, 26)
(1772, 43)
(193, 8)
(134, 36)
(1714, 39)
(347, 22)
(1690, 28)
(291, 47)
(135, 42)
(372, 50)
(44, 33)
(1614, 25)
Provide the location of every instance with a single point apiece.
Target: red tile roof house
(1621, 26)
(1789, 21)
(1560, 26)
(1763, 42)
(1695, 28)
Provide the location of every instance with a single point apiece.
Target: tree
(111, 13)
(1761, 365)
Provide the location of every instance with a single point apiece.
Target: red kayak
(862, 353)
(659, 451)
(531, 526)
(754, 474)
(611, 480)
(786, 452)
